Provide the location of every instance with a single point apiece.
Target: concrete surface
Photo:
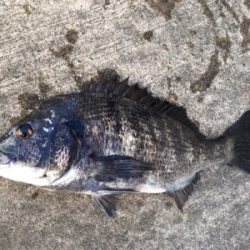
(195, 53)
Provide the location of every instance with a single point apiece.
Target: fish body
(110, 139)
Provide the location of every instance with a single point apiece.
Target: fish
(112, 138)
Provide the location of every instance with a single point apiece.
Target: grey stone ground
(195, 53)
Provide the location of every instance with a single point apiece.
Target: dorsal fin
(143, 97)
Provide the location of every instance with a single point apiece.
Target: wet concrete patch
(63, 51)
(44, 87)
(72, 36)
(206, 10)
(245, 31)
(207, 77)
(148, 35)
(26, 8)
(27, 102)
(164, 6)
(230, 9)
(105, 76)
(247, 3)
(225, 44)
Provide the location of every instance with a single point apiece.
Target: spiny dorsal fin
(141, 96)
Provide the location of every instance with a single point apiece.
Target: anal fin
(181, 196)
(107, 203)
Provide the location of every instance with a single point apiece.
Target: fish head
(38, 149)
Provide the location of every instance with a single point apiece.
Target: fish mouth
(6, 158)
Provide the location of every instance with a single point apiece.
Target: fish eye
(24, 131)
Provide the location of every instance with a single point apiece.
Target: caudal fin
(239, 134)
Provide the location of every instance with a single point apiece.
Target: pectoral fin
(115, 166)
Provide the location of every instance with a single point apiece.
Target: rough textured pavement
(195, 53)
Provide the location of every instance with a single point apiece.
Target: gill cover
(64, 149)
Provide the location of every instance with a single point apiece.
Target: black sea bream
(112, 139)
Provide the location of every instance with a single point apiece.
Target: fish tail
(239, 137)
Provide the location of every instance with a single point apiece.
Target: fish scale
(113, 138)
(161, 141)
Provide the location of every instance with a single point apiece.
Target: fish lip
(10, 157)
